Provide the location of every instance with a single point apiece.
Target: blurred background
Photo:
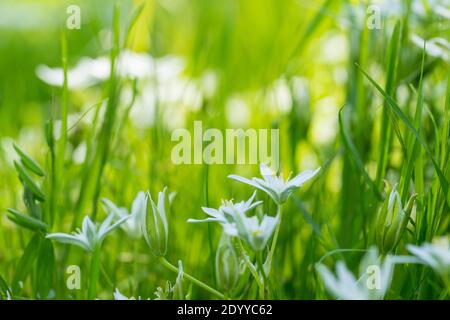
(287, 64)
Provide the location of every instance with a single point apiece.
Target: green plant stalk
(210, 242)
(263, 273)
(275, 236)
(250, 266)
(195, 281)
(62, 142)
(94, 273)
(52, 182)
(135, 258)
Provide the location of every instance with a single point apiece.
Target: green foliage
(260, 64)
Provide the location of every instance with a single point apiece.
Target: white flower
(86, 73)
(90, 236)
(119, 296)
(228, 208)
(435, 47)
(90, 71)
(226, 213)
(436, 255)
(132, 225)
(274, 185)
(232, 217)
(422, 9)
(255, 232)
(373, 283)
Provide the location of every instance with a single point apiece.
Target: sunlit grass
(86, 118)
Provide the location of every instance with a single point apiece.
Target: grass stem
(195, 281)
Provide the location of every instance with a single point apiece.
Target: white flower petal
(301, 178)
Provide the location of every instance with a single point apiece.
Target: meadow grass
(370, 107)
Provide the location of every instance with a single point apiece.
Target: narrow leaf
(350, 147)
(26, 221)
(45, 269)
(28, 181)
(26, 263)
(29, 162)
(393, 105)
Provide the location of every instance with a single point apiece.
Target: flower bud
(392, 220)
(227, 264)
(154, 223)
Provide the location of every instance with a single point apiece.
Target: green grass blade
(45, 269)
(4, 289)
(311, 28)
(396, 109)
(107, 128)
(26, 263)
(134, 18)
(446, 126)
(413, 156)
(350, 147)
(386, 124)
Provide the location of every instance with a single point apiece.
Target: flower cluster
(232, 217)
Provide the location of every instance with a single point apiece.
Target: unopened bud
(392, 220)
(227, 264)
(154, 223)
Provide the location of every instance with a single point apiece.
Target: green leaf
(26, 179)
(29, 162)
(350, 147)
(386, 124)
(393, 105)
(26, 221)
(26, 263)
(414, 155)
(134, 18)
(45, 269)
(311, 27)
(34, 209)
(3, 287)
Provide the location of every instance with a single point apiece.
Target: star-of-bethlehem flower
(91, 235)
(132, 226)
(275, 186)
(373, 282)
(436, 255)
(232, 217)
(119, 296)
